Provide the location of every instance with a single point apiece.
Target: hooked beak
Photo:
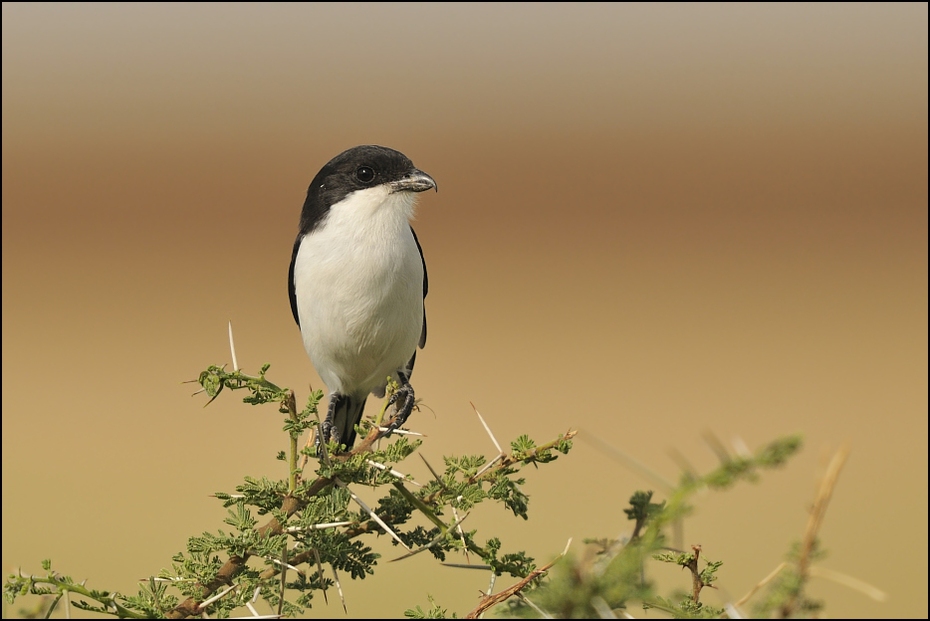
(414, 181)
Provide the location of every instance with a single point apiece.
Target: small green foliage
(642, 510)
(688, 609)
(682, 558)
(54, 584)
(524, 449)
(153, 599)
(434, 612)
(816, 553)
(709, 573)
(735, 469)
(785, 594)
(517, 564)
(313, 523)
(241, 519)
(615, 576)
(215, 379)
(309, 525)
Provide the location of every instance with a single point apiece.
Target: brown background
(653, 222)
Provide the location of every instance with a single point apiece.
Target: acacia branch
(290, 505)
(814, 522)
(696, 582)
(492, 600)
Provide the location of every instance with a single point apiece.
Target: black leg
(403, 401)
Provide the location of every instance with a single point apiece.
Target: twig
(283, 582)
(293, 474)
(696, 583)
(814, 522)
(848, 581)
(236, 563)
(630, 462)
(291, 505)
(492, 600)
(761, 583)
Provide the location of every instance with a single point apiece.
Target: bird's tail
(347, 413)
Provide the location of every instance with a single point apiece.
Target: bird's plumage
(357, 279)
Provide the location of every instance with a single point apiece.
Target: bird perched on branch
(357, 282)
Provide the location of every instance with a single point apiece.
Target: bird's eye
(365, 174)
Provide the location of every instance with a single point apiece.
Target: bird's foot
(403, 401)
(326, 432)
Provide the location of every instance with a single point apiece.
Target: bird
(357, 283)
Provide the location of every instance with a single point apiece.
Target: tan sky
(653, 221)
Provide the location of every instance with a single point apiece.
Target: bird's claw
(326, 432)
(403, 401)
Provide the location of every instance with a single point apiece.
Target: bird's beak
(414, 181)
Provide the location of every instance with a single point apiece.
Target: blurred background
(654, 223)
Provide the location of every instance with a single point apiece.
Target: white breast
(358, 278)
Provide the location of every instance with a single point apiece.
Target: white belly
(359, 287)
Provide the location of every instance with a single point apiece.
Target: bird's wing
(425, 290)
(292, 292)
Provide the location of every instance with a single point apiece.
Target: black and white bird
(357, 282)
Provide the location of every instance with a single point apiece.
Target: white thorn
(232, 348)
(207, 602)
(339, 588)
(850, 582)
(465, 566)
(739, 446)
(373, 515)
(488, 465)
(401, 432)
(486, 428)
(542, 613)
(458, 527)
(300, 529)
(395, 473)
(603, 610)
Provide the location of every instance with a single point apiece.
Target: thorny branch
(492, 600)
(235, 564)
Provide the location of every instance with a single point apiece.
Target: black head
(359, 168)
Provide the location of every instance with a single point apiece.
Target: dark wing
(293, 293)
(425, 289)
(422, 342)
